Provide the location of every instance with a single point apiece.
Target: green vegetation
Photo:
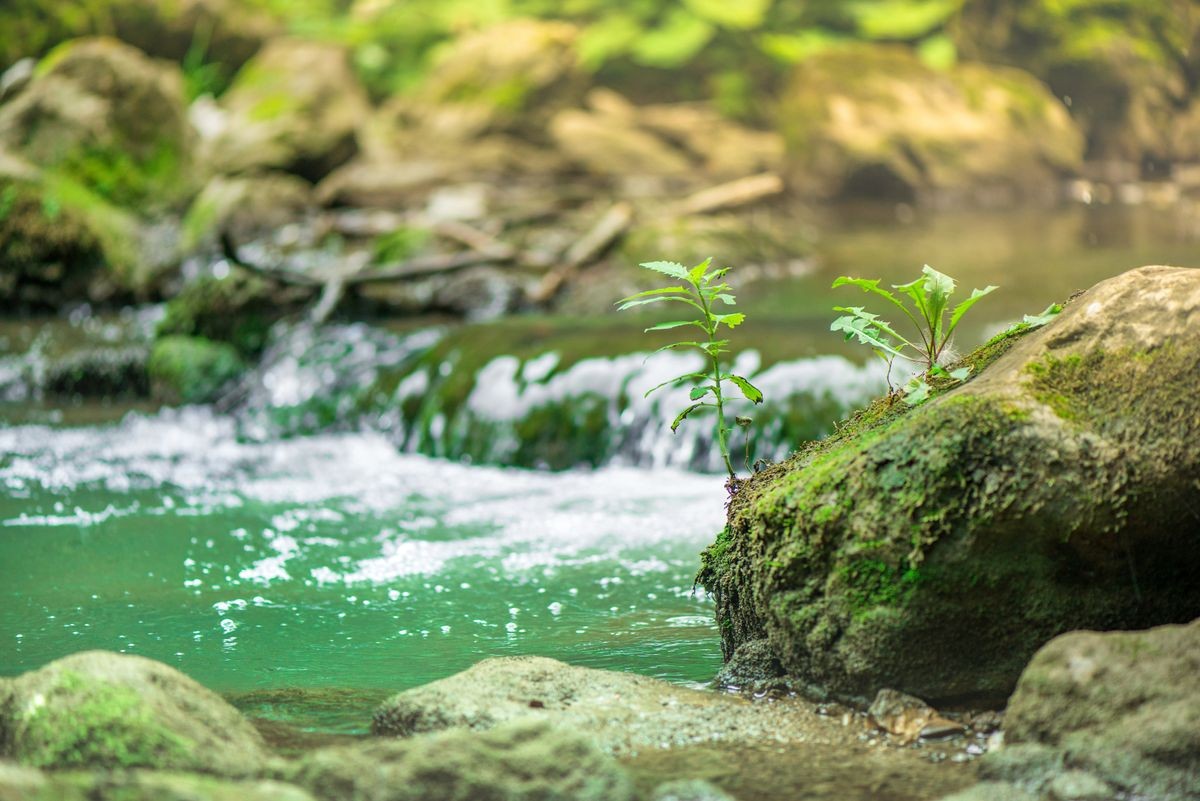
(702, 289)
(930, 295)
(192, 369)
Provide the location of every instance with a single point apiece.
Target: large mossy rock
(873, 120)
(934, 550)
(191, 369)
(1128, 67)
(295, 106)
(245, 207)
(98, 709)
(238, 308)
(1117, 712)
(19, 783)
(109, 117)
(526, 760)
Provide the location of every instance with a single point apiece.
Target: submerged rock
(525, 760)
(1057, 489)
(873, 120)
(191, 369)
(97, 709)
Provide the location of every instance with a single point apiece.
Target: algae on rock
(1055, 488)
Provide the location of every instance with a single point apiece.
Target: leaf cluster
(703, 290)
(929, 295)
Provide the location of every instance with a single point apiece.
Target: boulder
(97, 709)
(238, 308)
(294, 107)
(527, 760)
(28, 784)
(107, 116)
(1119, 709)
(873, 120)
(621, 712)
(1127, 67)
(191, 369)
(933, 549)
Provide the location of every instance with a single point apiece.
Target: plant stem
(710, 326)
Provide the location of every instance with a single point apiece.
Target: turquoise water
(335, 562)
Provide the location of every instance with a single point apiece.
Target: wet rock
(103, 710)
(1076, 785)
(246, 207)
(752, 665)
(900, 714)
(992, 791)
(518, 761)
(1056, 486)
(191, 369)
(108, 116)
(608, 145)
(1116, 705)
(724, 148)
(238, 308)
(873, 121)
(295, 107)
(99, 372)
(16, 78)
(622, 712)
(690, 790)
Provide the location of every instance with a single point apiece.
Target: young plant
(930, 297)
(702, 289)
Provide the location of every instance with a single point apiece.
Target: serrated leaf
(679, 418)
(960, 374)
(673, 324)
(660, 299)
(1035, 320)
(699, 392)
(671, 268)
(730, 320)
(962, 308)
(727, 299)
(697, 273)
(666, 290)
(868, 329)
(752, 393)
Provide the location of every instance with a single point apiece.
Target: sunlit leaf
(962, 308)
(699, 392)
(697, 273)
(738, 14)
(680, 37)
(916, 391)
(673, 324)
(901, 19)
(671, 268)
(730, 320)
(1035, 320)
(685, 413)
(676, 380)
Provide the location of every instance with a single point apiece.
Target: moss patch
(191, 369)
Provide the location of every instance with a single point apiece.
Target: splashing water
(336, 561)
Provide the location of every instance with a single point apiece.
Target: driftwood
(730, 195)
(591, 246)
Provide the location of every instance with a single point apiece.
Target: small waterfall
(443, 394)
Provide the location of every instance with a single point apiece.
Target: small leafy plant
(702, 289)
(930, 296)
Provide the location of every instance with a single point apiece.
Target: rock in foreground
(935, 550)
(518, 761)
(97, 709)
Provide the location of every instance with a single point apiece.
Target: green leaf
(699, 392)
(938, 52)
(960, 374)
(660, 299)
(610, 36)
(673, 324)
(676, 41)
(901, 19)
(872, 285)
(671, 268)
(697, 273)
(727, 299)
(860, 321)
(666, 290)
(685, 413)
(1052, 311)
(742, 15)
(715, 347)
(752, 393)
(677, 379)
(792, 48)
(730, 320)
(962, 308)
(916, 391)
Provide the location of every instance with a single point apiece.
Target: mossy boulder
(107, 116)
(295, 107)
(873, 120)
(98, 709)
(1128, 67)
(191, 369)
(519, 761)
(933, 550)
(1103, 715)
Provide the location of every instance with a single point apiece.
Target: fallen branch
(730, 195)
(591, 246)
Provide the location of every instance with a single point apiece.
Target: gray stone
(690, 790)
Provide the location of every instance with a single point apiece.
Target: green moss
(103, 726)
(238, 309)
(191, 369)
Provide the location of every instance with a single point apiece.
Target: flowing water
(308, 543)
